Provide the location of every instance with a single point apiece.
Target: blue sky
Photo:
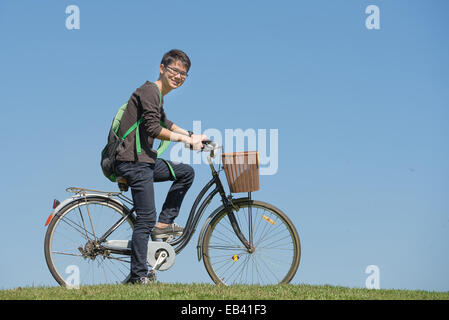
(362, 119)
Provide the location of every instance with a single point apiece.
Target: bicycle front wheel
(276, 251)
(72, 251)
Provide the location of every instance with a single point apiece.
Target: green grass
(169, 291)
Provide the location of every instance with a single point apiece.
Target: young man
(141, 169)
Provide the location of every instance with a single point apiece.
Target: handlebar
(207, 142)
(209, 146)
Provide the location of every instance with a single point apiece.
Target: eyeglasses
(175, 72)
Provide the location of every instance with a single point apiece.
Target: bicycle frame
(195, 214)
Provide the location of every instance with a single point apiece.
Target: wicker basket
(242, 170)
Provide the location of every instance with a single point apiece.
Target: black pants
(140, 177)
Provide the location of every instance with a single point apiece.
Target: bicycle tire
(49, 244)
(233, 272)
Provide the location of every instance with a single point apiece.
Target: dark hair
(173, 55)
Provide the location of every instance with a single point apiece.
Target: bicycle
(243, 241)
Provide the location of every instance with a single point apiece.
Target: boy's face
(173, 75)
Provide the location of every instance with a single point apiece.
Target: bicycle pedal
(163, 239)
(169, 238)
(152, 276)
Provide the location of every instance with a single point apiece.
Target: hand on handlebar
(196, 141)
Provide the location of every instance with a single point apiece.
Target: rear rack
(83, 191)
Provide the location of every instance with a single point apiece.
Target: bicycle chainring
(154, 248)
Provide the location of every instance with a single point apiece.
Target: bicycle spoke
(68, 254)
(82, 219)
(76, 227)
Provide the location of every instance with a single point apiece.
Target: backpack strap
(135, 126)
(164, 143)
(170, 168)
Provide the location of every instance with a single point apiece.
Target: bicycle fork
(235, 226)
(229, 206)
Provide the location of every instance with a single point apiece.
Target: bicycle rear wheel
(277, 246)
(72, 251)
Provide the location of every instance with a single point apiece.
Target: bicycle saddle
(122, 184)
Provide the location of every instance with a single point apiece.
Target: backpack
(115, 144)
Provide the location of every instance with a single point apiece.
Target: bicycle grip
(204, 142)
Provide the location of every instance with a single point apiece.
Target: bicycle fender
(199, 246)
(77, 197)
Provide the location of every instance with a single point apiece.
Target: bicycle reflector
(268, 219)
(49, 219)
(55, 204)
